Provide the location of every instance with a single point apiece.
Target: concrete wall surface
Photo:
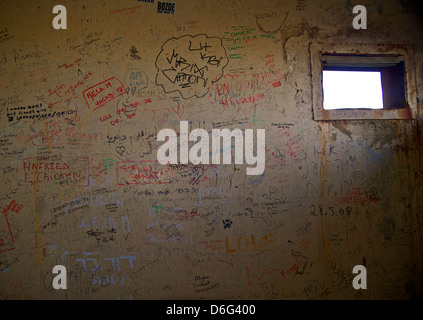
(83, 118)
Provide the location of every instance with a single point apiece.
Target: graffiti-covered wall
(169, 150)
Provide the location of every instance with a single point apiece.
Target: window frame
(318, 49)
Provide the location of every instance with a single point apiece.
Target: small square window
(369, 83)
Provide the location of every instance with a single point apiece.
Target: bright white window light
(352, 90)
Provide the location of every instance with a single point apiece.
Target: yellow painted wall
(84, 106)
